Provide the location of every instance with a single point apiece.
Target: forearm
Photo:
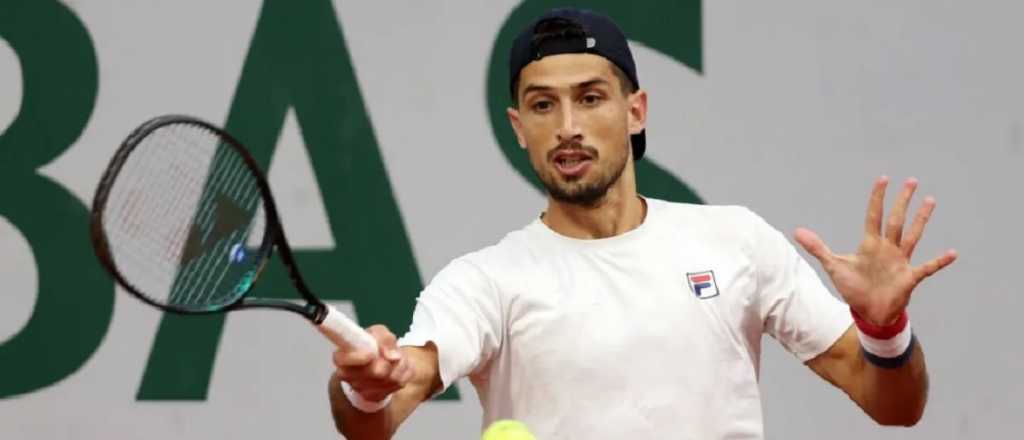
(358, 425)
(890, 396)
(894, 396)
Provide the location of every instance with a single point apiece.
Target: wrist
(361, 403)
(881, 331)
(889, 346)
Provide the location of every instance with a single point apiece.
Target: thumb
(813, 245)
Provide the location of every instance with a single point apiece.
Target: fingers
(386, 341)
(909, 242)
(346, 358)
(928, 269)
(403, 372)
(379, 369)
(378, 378)
(898, 216)
(379, 374)
(873, 219)
(814, 245)
(375, 394)
(375, 374)
(350, 356)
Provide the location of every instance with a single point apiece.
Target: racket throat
(318, 312)
(311, 311)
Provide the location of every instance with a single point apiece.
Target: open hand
(878, 279)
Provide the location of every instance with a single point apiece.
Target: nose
(569, 129)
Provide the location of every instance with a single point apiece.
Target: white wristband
(360, 402)
(887, 348)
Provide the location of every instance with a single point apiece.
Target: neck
(619, 211)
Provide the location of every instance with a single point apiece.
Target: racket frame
(314, 309)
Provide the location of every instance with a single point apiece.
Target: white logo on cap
(591, 42)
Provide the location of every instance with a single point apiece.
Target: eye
(541, 105)
(591, 99)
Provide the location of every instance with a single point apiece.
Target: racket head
(183, 218)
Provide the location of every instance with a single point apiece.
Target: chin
(578, 193)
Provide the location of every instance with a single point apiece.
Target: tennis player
(615, 316)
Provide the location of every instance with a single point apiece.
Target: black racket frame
(274, 237)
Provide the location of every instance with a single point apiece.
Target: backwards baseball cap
(599, 36)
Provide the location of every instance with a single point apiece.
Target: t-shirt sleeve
(795, 306)
(461, 313)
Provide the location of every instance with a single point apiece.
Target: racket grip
(343, 331)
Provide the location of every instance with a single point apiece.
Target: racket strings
(184, 219)
(141, 212)
(198, 283)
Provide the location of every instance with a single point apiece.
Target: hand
(374, 375)
(877, 280)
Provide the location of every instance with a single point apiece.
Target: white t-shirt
(652, 334)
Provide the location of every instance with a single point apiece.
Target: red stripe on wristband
(880, 331)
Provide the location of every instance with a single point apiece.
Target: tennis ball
(507, 430)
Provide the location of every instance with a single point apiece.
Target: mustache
(571, 146)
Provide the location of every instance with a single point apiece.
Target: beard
(579, 191)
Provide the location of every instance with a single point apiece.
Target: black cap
(601, 36)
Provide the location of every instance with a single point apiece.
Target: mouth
(572, 163)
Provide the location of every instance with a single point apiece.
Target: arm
(894, 397)
(412, 377)
(458, 321)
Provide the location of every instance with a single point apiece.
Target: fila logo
(703, 284)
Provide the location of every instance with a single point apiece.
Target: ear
(517, 125)
(637, 111)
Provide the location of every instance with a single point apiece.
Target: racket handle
(343, 331)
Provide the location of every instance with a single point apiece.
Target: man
(614, 316)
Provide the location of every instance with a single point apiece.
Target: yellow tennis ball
(507, 430)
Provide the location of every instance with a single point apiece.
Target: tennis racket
(184, 220)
